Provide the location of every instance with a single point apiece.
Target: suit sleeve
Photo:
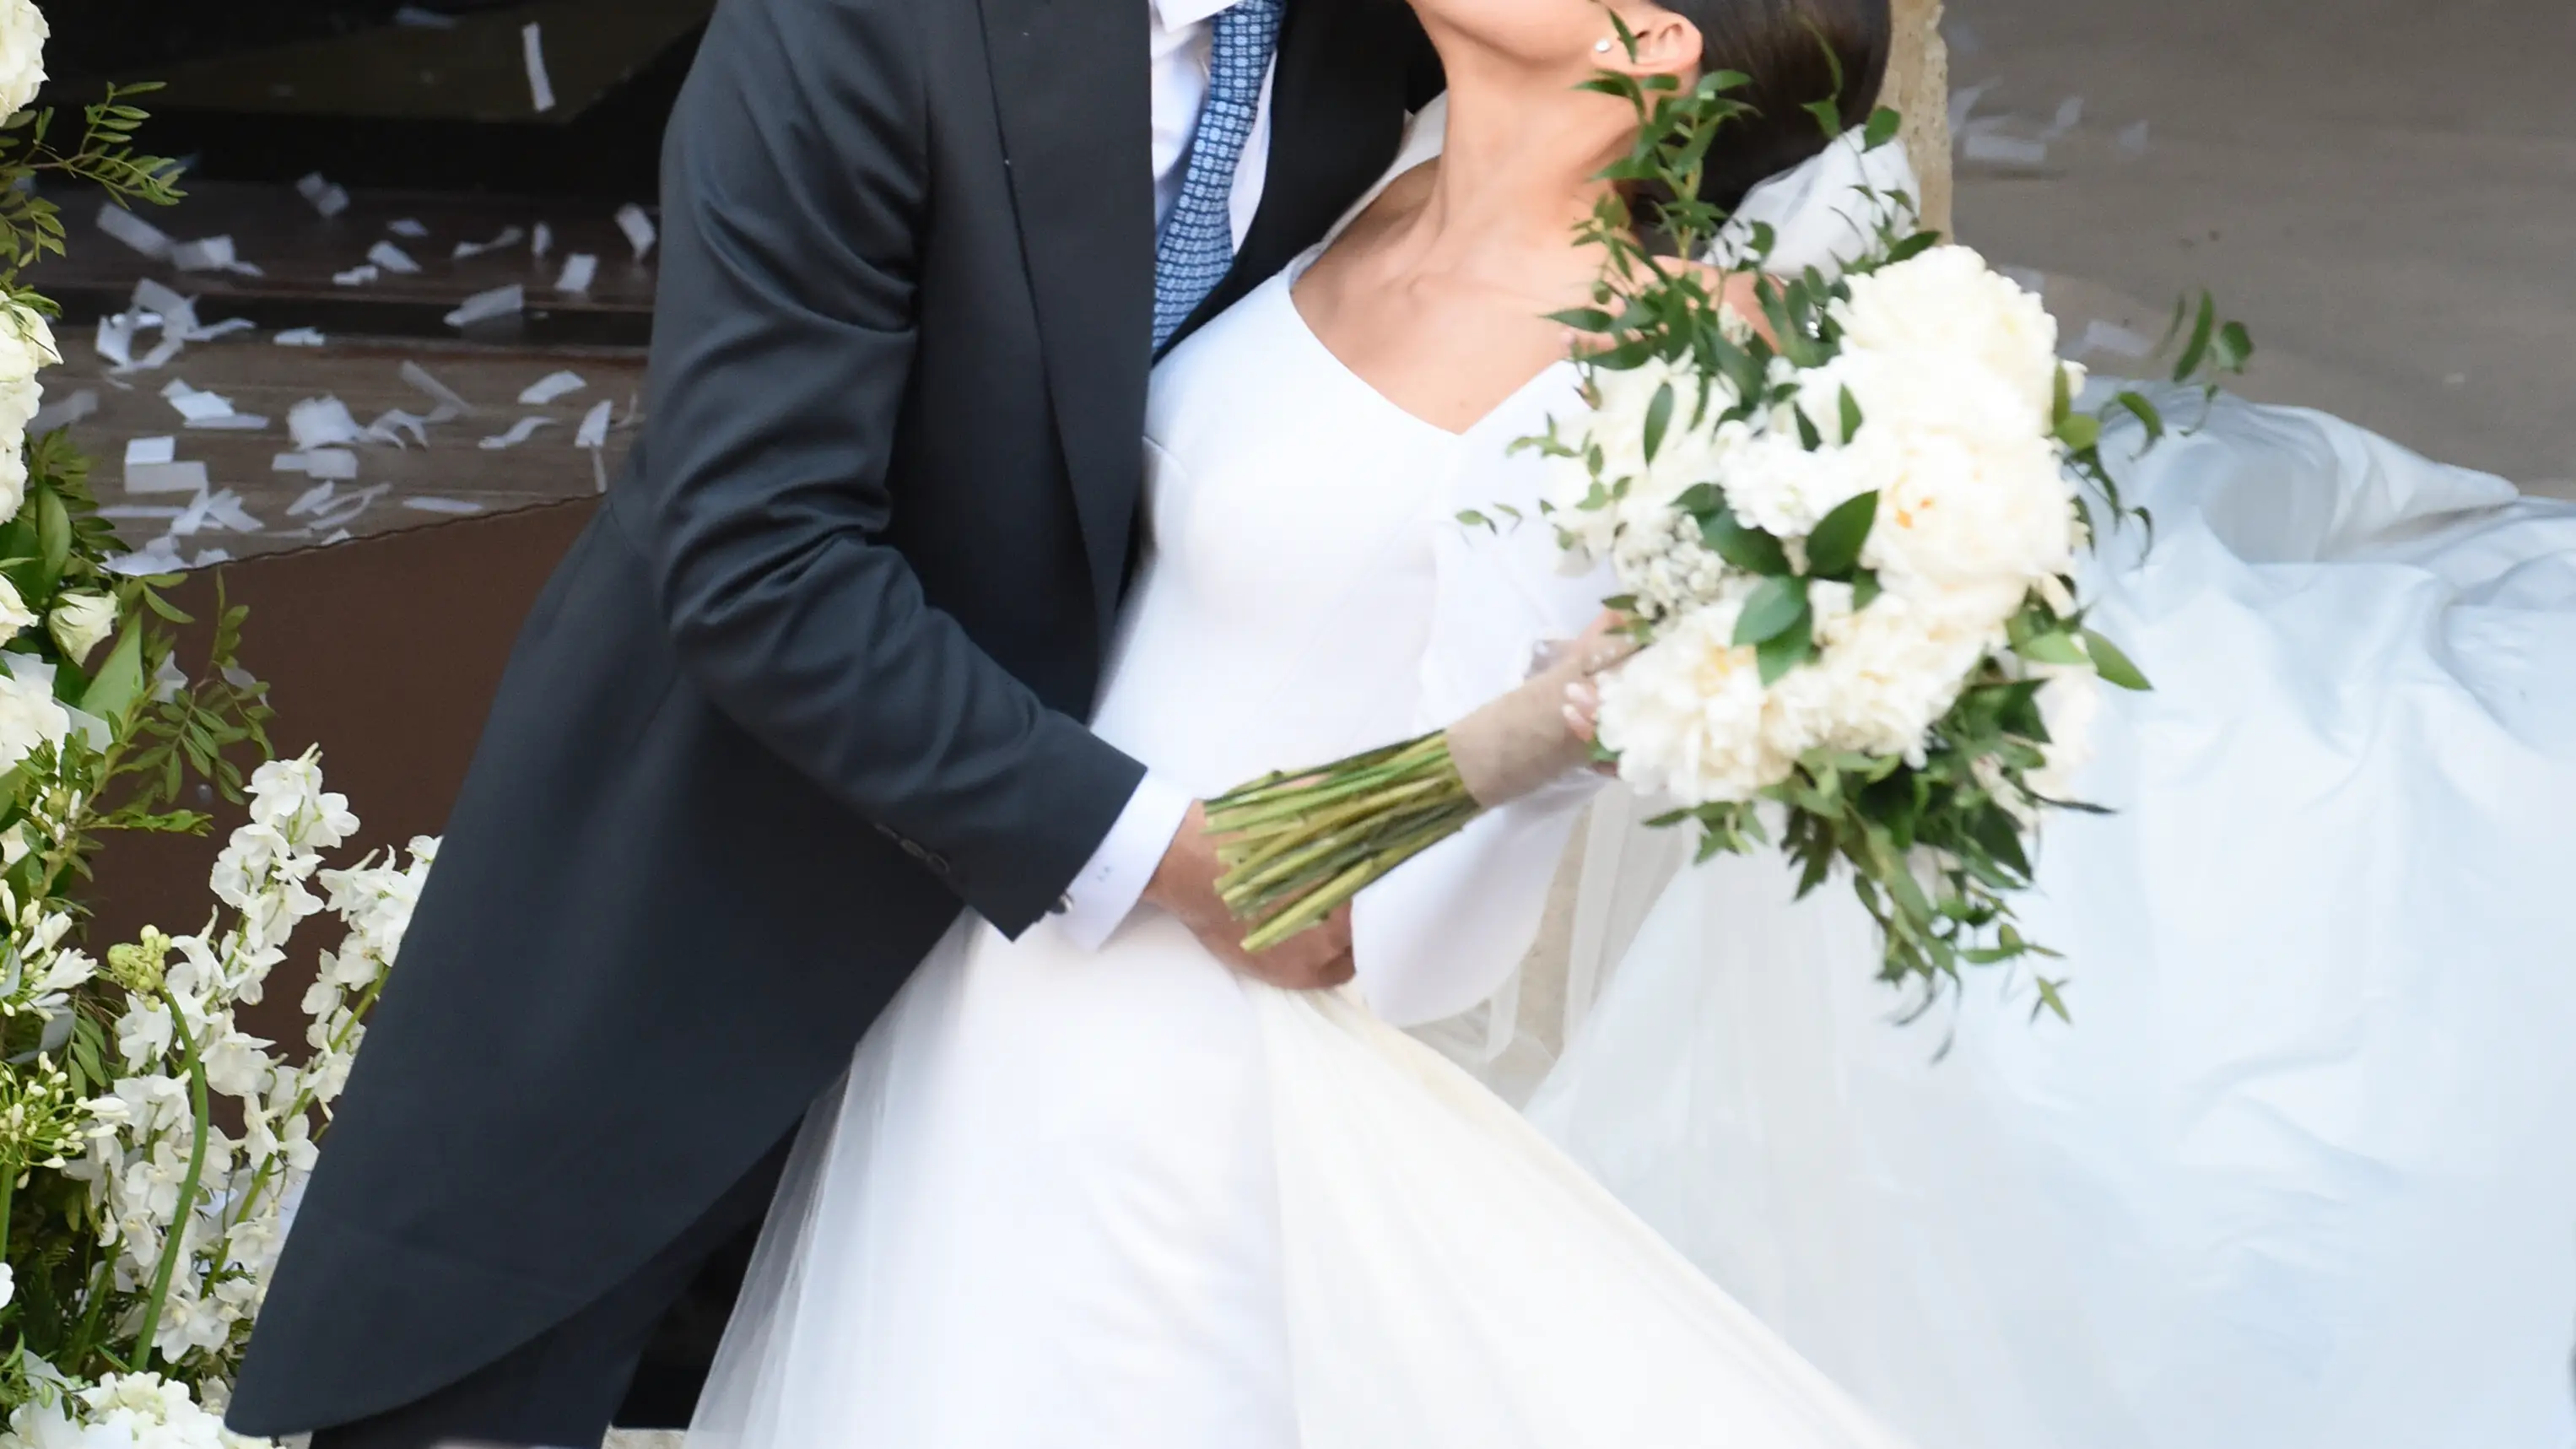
(794, 182)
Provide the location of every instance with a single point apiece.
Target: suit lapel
(1337, 117)
(1071, 88)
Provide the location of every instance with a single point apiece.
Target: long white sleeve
(1114, 879)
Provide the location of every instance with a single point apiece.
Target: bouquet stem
(1296, 846)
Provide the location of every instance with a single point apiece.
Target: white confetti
(65, 411)
(407, 227)
(391, 424)
(2070, 114)
(328, 199)
(509, 237)
(139, 510)
(116, 339)
(135, 232)
(189, 477)
(543, 242)
(439, 392)
(2133, 139)
(302, 337)
(194, 405)
(321, 422)
(1997, 150)
(356, 276)
(579, 271)
(225, 511)
(346, 507)
(484, 306)
(639, 230)
(230, 423)
(541, 91)
(338, 536)
(2114, 339)
(145, 452)
(419, 19)
(1963, 104)
(520, 432)
(392, 258)
(550, 387)
(457, 506)
(594, 428)
(311, 499)
(325, 463)
(214, 254)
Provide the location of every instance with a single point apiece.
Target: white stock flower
(30, 716)
(1947, 309)
(79, 623)
(1686, 715)
(22, 54)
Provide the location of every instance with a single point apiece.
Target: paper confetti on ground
(146, 452)
(325, 463)
(579, 271)
(485, 306)
(450, 405)
(408, 227)
(194, 405)
(65, 411)
(520, 432)
(135, 232)
(543, 242)
(392, 258)
(302, 337)
(550, 387)
(456, 506)
(509, 237)
(594, 428)
(320, 422)
(189, 477)
(356, 276)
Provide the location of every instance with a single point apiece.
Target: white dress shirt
(1180, 41)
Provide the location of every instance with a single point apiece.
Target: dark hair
(1782, 45)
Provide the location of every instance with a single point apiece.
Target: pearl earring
(1601, 47)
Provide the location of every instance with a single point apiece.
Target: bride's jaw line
(1526, 145)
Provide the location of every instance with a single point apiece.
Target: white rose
(15, 616)
(26, 342)
(29, 714)
(22, 54)
(1947, 308)
(1685, 715)
(79, 623)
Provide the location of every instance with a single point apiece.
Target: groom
(813, 682)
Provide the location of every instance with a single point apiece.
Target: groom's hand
(1185, 885)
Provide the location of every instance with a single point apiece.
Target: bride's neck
(1519, 172)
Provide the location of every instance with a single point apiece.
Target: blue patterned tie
(1196, 249)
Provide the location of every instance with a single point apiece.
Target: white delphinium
(22, 55)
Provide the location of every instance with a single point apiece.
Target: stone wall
(1918, 84)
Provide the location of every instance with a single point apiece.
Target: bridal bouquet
(1844, 532)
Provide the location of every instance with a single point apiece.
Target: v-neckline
(1287, 285)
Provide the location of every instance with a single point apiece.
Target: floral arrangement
(150, 1150)
(1845, 533)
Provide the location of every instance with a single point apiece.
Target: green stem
(176, 1239)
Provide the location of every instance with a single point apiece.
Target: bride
(1131, 1200)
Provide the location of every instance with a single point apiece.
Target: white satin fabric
(2301, 1174)
(1125, 1200)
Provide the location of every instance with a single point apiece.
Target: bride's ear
(1665, 44)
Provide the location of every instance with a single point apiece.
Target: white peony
(1686, 715)
(22, 54)
(15, 616)
(79, 623)
(1947, 309)
(29, 714)
(1883, 675)
(1958, 512)
(1643, 492)
(1774, 484)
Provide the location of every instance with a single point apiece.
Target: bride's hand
(1185, 885)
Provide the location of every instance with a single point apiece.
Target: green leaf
(1912, 247)
(2235, 347)
(1659, 420)
(2112, 665)
(1786, 651)
(1834, 547)
(2079, 431)
(1865, 588)
(2053, 647)
(2144, 411)
(1828, 115)
(1585, 319)
(1749, 549)
(2062, 401)
(54, 526)
(1851, 418)
(2050, 1001)
(2196, 351)
(1776, 607)
(119, 682)
(1884, 123)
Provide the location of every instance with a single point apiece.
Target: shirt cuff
(1102, 897)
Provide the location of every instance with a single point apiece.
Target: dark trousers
(564, 1388)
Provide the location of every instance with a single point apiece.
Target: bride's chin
(1529, 35)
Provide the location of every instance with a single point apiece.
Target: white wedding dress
(2302, 1172)
(1126, 1200)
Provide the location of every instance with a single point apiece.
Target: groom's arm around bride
(811, 684)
